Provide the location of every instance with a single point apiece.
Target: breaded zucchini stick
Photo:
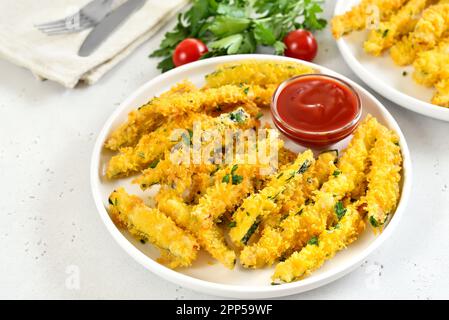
(430, 28)
(232, 186)
(152, 146)
(277, 240)
(383, 178)
(202, 101)
(432, 66)
(258, 206)
(313, 219)
(179, 176)
(256, 73)
(398, 25)
(321, 248)
(211, 239)
(441, 97)
(152, 225)
(128, 134)
(357, 17)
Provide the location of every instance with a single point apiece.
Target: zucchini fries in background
(295, 214)
(414, 31)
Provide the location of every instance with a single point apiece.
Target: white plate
(382, 75)
(215, 279)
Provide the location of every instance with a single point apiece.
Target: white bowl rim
(404, 100)
(240, 291)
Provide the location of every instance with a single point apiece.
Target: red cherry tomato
(301, 44)
(188, 50)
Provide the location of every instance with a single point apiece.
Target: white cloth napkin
(56, 57)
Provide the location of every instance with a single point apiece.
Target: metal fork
(88, 16)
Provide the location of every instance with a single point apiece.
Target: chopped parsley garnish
(232, 224)
(259, 115)
(236, 179)
(374, 222)
(154, 163)
(336, 173)
(306, 165)
(340, 210)
(313, 241)
(251, 231)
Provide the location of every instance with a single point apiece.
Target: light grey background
(49, 222)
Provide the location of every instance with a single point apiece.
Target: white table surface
(50, 228)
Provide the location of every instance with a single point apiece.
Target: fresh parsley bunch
(239, 26)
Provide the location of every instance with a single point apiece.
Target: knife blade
(108, 25)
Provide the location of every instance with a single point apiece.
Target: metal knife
(108, 25)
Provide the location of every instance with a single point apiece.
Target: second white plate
(383, 76)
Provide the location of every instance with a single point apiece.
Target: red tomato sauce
(316, 110)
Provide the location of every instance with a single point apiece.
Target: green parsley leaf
(226, 178)
(313, 241)
(340, 210)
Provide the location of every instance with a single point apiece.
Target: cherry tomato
(188, 50)
(301, 44)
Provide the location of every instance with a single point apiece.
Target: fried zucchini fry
(178, 175)
(432, 66)
(152, 146)
(258, 206)
(321, 248)
(256, 73)
(204, 101)
(128, 134)
(398, 25)
(311, 220)
(383, 178)
(441, 97)
(357, 17)
(211, 239)
(430, 28)
(176, 245)
(277, 240)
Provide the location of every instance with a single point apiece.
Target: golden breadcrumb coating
(388, 32)
(357, 17)
(430, 28)
(211, 239)
(441, 97)
(321, 248)
(278, 239)
(128, 133)
(269, 200)
(152, 146)
(152, 225)
(233, 184)
(205, 101)
(384, 177)
(432, 66)
(264, 73)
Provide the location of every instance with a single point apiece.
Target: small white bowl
(206, 275)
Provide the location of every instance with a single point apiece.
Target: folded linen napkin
(56, 57)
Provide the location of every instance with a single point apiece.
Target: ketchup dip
(316, 110)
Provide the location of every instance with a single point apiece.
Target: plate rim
(240, 291)
(402, 99)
